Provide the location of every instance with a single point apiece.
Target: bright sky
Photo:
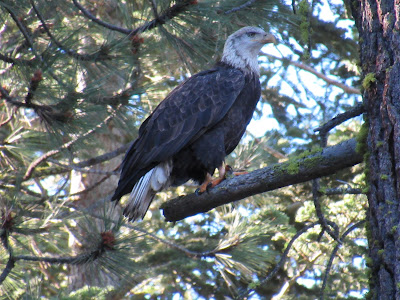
(266, 123)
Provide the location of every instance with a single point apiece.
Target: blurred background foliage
(74, 88)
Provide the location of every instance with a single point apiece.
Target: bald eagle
(200, 122)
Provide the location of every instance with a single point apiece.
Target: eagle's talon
(228, 169)
(198, 192)
(229, 172)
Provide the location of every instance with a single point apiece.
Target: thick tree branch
(315, 165)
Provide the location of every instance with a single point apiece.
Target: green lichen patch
(307, 159)
(368, 80)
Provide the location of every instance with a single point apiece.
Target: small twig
(89, 188)
(341, 191)
(81, 170)
(340, 118)
(294, 6)
(324, 222)
(8, 120)
(8, 59)
(90, 162)
(33, 85)
(309, 15)
(102, 158)
(100, 22)
(333, 254)
(73, 260)
(279, 265)
(235, 9)
(4, 240)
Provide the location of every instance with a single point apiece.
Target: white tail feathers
(146, 188)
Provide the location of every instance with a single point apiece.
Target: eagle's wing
(188, 111)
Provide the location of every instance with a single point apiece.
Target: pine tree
(78, 78)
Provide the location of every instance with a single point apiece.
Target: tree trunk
(378, 23)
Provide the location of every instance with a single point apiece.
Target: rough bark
(296, 170)
(378, 23)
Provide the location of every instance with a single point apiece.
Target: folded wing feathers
(145, 189)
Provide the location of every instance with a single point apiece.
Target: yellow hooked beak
(268, 38)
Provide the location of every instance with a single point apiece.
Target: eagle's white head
(242, 48)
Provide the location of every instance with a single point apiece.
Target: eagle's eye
(251, 34)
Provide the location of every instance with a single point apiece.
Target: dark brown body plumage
(196, 126)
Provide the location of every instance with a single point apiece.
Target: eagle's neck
(242, 58)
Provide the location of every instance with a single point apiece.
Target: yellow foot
(224, 172)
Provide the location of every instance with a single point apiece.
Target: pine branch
(193, 254)
(87, 163)
(70, 260)
(187, 252)
(29, 41)
(244, 5)
(279, 265)
(7, 59)
(51, 153)
(168, 14)
(322, 163)
(98, 55)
